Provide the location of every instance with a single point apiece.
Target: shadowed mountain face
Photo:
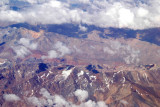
(2, 43)
(42, 67)
(73, 30)
(151, 35)
(70, 30)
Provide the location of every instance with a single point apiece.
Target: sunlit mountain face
(79, 53)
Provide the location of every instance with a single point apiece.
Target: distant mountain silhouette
(72, 30)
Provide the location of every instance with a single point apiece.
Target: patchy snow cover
(80, 73)
(93, 78)
(66, 73)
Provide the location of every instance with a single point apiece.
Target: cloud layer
(104, 13)
(59, 101)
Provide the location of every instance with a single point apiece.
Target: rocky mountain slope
(41, 84)
(82, 67)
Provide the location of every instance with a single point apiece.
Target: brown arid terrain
(96, 85)
(93, 48)
(47, 69)
(79, 53)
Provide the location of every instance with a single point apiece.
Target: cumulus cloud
(11, 16)
(11, 97)
(24, 46)
(59, 51)
(91, 103)
(81, 94)
(101, 104)
(126, 52)
(51, 54)
(34, 100)
(58, 101)
(21, 51)
(104, 13)
(27, 43)
(62, 48)
(47, 99)
(45, 93)
(126, 18)
(82, 28)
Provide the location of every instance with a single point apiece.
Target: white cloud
(24, 46)
(24, 41)
(100, 13)
(91, 103)
(46, 100)
(82, 95)
(45, 93)
(126, 52)
(101, 104)
(34, 100)
(126, 18)
(11, 16)
(52, 54)
(82, 28)
(27, 43)
(62, 48)
(110, 13)
(142, 12)
(59, 51)
(21, 51)
(133, 56)
(10, 97)
(59, 101)
(52, 12)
